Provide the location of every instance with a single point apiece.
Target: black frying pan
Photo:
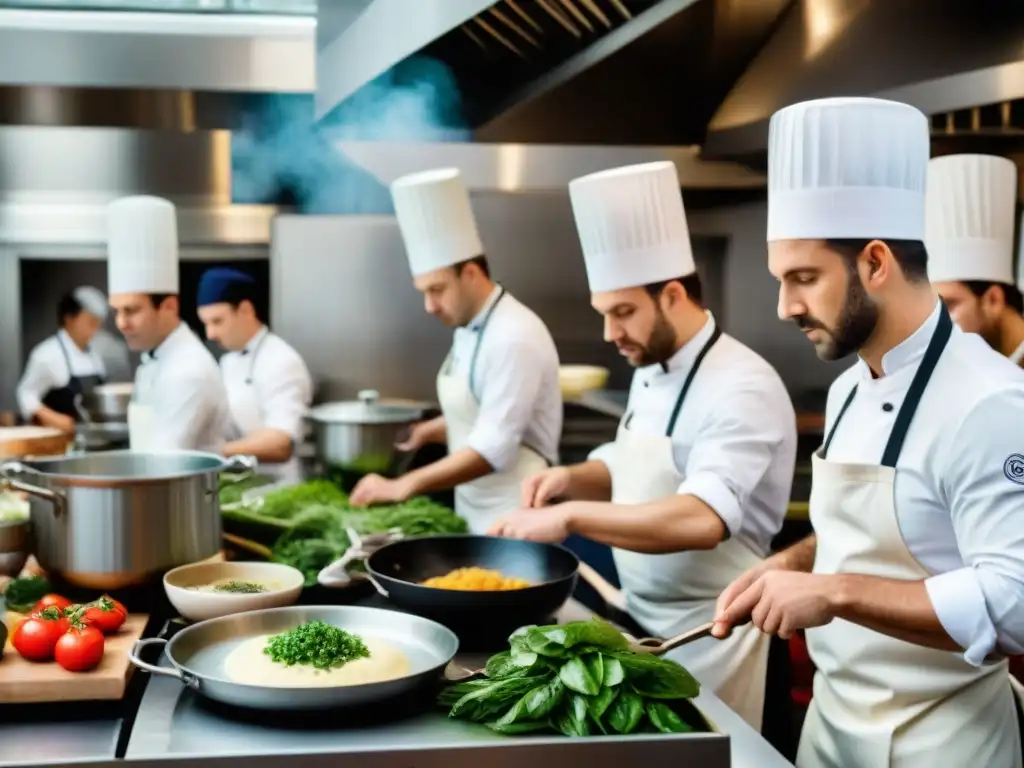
(399, 568)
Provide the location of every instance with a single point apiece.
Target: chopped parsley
(317, 644)
(243, 587)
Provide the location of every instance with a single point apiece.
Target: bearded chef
(970, 214)
(911, 586)
(697, 481)
(178, 401)
(498, 388)
(268, 384)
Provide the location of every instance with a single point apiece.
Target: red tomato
(51, 601)
(36, 637)
(104, 616)
(80, 649)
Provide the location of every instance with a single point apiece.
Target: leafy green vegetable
(577, 679)
(241, 587)
(317, 644)
(22, 594)
(368, 463)
(286, 503)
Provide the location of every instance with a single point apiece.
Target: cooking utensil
(283, 586)
(360, 436)
(108, 402)
(110, 520)
(197, 656)
(98, 436)
(337, 575)
(82, 413)
(397, 571)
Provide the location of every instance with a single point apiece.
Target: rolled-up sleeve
(286, 398)
(981, 605)
(38, 378)
(735, 448)
(508, 397)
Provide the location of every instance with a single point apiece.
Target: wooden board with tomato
(60, 652)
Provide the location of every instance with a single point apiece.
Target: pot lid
(366, 410)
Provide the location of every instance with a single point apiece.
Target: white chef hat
(970, 218)
(91, 300)
(632, 226)
(142, 246)
(847, 168)
(436, 220)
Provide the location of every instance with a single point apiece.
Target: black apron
(62, 399)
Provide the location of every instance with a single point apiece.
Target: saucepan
(398, 570)
(198, 654)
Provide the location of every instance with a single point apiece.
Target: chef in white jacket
(64, 366)
(498, 387)
(178, 400)
(969, 221)
(697, 482)
(912, 587)
(268, 384)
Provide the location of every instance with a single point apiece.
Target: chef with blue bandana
(268, 385)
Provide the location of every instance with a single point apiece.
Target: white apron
(880, 702)
(671, 593)
(481, 501)
(141, 418)
(247, 417)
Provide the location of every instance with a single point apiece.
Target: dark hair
(480, 261)
(1011, 294)
(159, 298)
(911, 255)
(236, 292)
(691, 284)
(68, 308)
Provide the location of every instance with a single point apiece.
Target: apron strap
(715, 336)
(479, 338)
(915, 392)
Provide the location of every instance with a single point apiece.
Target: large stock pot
(112, 520)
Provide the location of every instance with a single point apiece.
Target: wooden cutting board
(28, 682)
(17, 442)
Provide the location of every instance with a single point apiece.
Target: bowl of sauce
(208, 590)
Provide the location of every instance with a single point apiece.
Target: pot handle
(54, 497)
(133, 656)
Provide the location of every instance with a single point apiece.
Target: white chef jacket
(187, 395)
(280, 378)
(960, 478)
(47, 369)
(515, 380)
(735, 440)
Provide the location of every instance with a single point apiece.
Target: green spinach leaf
(613, 672)
(577, 677)
(626, 711)
(664, 719)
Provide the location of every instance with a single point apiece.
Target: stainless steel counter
(65, 742)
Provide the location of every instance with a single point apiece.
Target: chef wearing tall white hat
(498, 388)
(698, 479)
(178, 400)
(911, 586)
(971, 209)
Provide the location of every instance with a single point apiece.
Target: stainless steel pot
(101, 436)
(197, 655)
(361, 435)
(111, 520)
(108, 402)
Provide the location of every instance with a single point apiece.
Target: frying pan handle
(376, 585)
(608, 593)
(134, 657)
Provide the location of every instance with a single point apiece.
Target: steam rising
(281, 155)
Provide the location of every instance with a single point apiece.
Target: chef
(911, 586)
(498, 387)
(268, 385)
(697, 481)
(64, 367)
(971, 208)
(179, 400)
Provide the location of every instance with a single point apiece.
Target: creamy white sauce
(248, 664)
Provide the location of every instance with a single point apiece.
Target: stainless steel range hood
(942, 56)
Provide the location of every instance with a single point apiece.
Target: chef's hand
(538, 490)
(417, 437)
(63, 422)
(778, 602)
(374, 488)
(547, 525)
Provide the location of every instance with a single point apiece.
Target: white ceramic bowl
(284, 582)
(576, 380)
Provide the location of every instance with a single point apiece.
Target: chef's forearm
(589, 481)
(434, 430)
(900, 609)
(456, 468)
(800, 556)
(268, 445)
(48, 417)
(674, 524)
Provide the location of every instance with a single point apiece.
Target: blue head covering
(215, 285)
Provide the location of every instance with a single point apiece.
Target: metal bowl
(197, 655)
(15, 545)
(108, 402)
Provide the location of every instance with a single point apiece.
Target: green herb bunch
(578, 679)
(317, 644)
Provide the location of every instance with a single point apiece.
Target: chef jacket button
(647, 383)
(886, 407)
